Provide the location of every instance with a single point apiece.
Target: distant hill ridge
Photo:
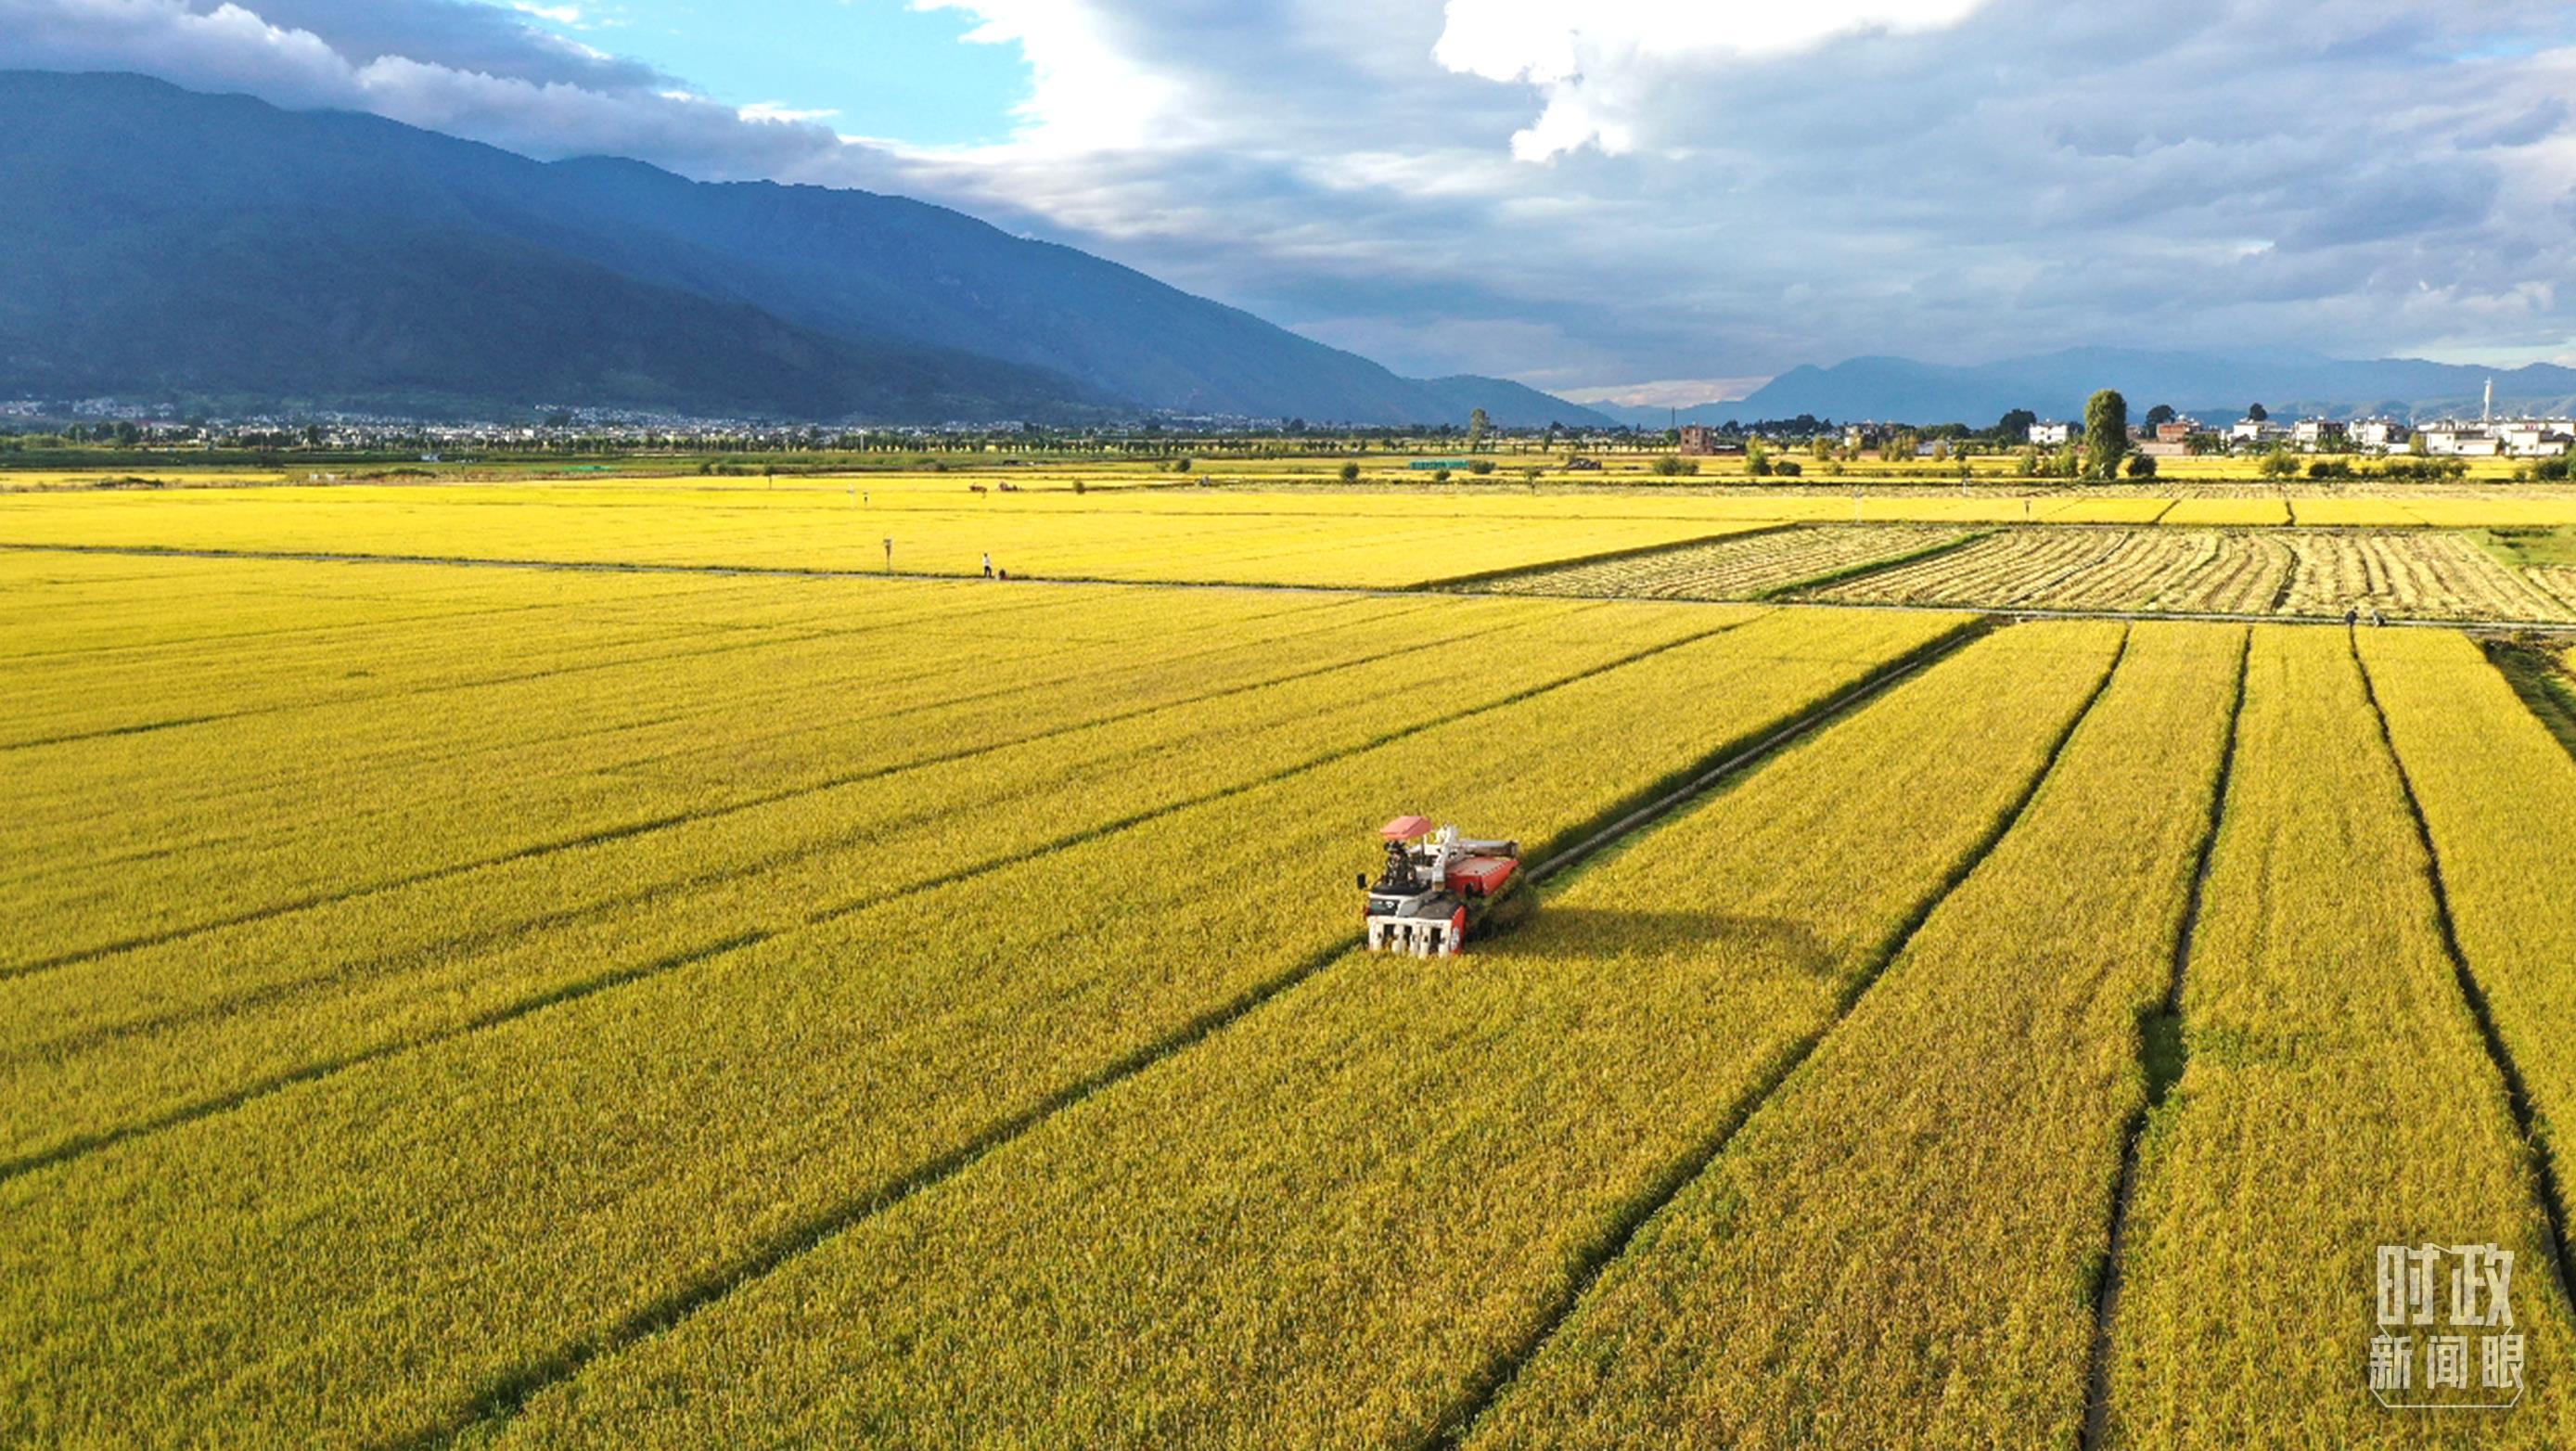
(2215, 388)
(167, 244)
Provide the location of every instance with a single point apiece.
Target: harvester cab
(1435, 888)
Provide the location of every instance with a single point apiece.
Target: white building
(2535, 437)
(2316, 433)
(2052, 435)
(2381, 435)
(2256, 433)
(2459, 440)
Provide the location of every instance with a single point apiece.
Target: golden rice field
(943, 525)
(455, 1005)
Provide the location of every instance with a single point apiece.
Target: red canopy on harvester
(1406, 828)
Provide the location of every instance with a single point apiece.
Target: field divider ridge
(1454, 1427)
(509, 1394)
(2526, 1121)
(2160, 1078)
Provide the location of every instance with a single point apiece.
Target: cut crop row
(1732, 569)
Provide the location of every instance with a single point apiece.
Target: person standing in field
(988, 566)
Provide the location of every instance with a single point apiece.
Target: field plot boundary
(2527, 1132)
(1640, 808)
(1455, 1426)
(2160, 1078)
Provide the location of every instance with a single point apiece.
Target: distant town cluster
(2258, 432)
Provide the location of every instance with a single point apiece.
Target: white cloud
(1729, 193)
(1086, 90)
(781, 111)
(1597, 61)
(1670, 392)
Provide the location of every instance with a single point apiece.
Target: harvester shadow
(1554, 930)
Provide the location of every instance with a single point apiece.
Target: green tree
(2257, 412)
(2014, 427)
(2142, 466)
(1478, 425)
(2106, 433)
(2162, 413)
(1350, 473)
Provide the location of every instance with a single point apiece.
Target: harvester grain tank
(1436, 887)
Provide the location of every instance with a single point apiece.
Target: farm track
(2160, 1078)
(512, 1393)
(1460, 1423)
(2517, 1089)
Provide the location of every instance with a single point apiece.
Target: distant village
(2257, 432)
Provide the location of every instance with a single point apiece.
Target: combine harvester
(1436, 887)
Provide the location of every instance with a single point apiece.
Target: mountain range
(225, 254)
(2214, 387)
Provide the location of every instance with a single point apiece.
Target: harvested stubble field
(1747, 567)
(450, 1004)
(2420, 574)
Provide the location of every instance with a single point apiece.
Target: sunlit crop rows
(1223, 1251)
(572, 1166)
(2499, 798)
(102, 1043)
(2235, 512)
(2335, 1097)
(574, 1006)
(1906, 1235)
(946, 525)
(1743, 568)
(1052, 536)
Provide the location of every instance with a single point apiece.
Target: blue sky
(866, 67)
(1659, 201)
